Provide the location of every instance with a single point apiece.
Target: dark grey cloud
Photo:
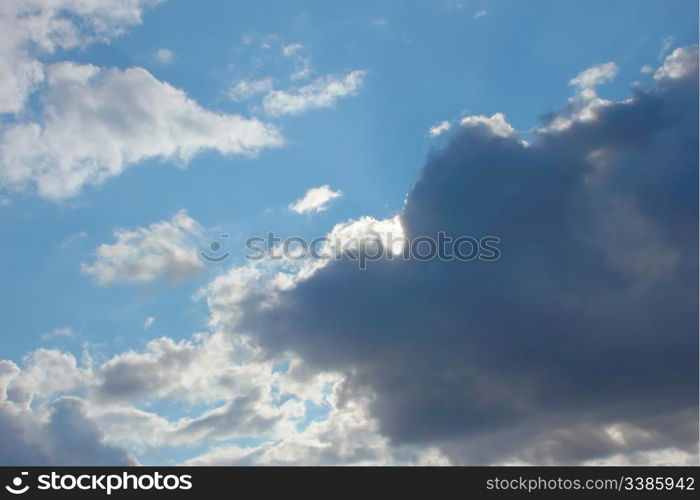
(67, 437)
(75, 439)
(588, 320)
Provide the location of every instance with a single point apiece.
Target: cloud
(148, 322)
(682, 62)
(315, 200)
(82, 235)
(245, 89)
(204, 368)
(59, 332)
(302, 61)
(37, 428)
(98, 122)
(165, 56)
(588, 79)
(479, 14)
(45, 373)
(64, 436)
(347, 436)
(440, 128)
(585, 104)
(666, 44)
(578, 346)
(291, 49)
(230, 388)
(496, 124)
(321, 93)
(31, 29)
(165, 249)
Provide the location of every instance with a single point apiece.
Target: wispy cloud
(666, 43)
(165, 56)
(321, 93)
(64, 331)
(440, 128)
(245, 89)
(315, 200)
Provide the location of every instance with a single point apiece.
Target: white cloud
(315, 200)
(347, 436)
(303, 70)
(590, 78)
(585, 104)
(321, 93)
(681, 62)
(165, 56)
(32, 28)
(479, 14)
(5, 201)
(302, 61)
(207, 369)
(98, 122)
(440, 128)
(380, 22)
(497, 124)
(245, 89)
(291, 49)
(148, 322)
(59, 332)
(646, 69)
(164, 249)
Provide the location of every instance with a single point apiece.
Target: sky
(143, 142)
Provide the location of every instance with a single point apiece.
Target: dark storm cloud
(588, 319)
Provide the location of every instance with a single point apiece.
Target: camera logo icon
(16, 488)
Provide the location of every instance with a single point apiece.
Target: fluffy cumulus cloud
(321, 93)
(231, 389)
(97, 122)
(678, 65)
(585, 104)
(38, 426)
(165, 249)
(579, 345)
(315, 200)
(496, 124)
(32, 28)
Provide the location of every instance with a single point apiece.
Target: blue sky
(416, 64)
